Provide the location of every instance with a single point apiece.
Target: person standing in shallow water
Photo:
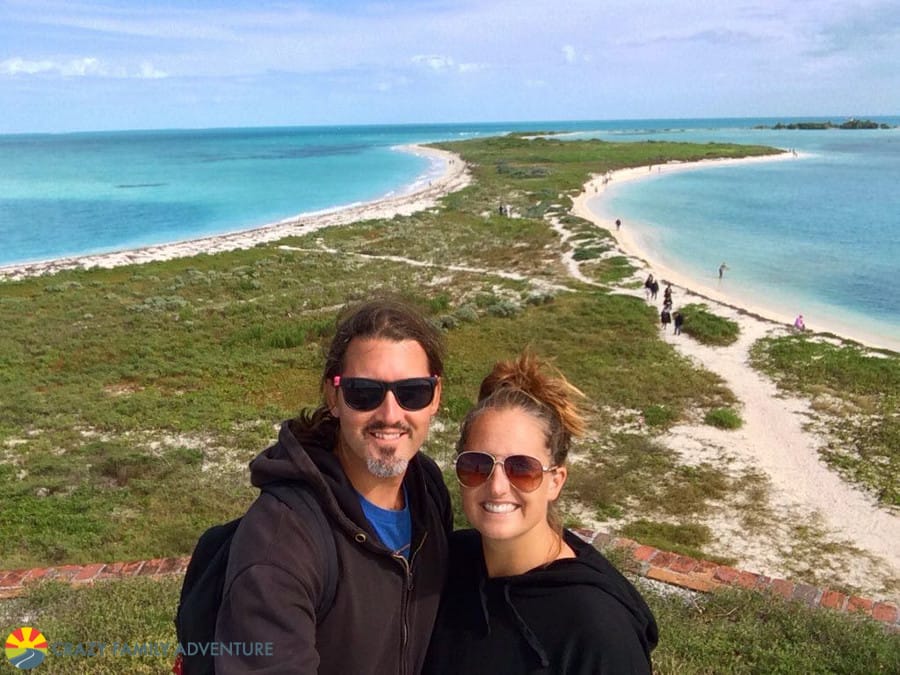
(523, 594)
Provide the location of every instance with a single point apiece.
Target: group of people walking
(666, 315)
(516, 593)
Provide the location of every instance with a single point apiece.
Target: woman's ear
(557, 479)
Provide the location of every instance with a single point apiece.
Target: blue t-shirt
(394, 528)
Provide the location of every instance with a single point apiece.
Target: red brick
(664, 559)
(684, 580)
(150, 567)
(726, 574)
(168, 566)
(706, 567)
(643, 553)
(783, 588)
(806, 594)
(858, 604)
(833, 600)
(133, 568)
(88, 572)
(747, 580)
(624, 542)
(66, 572)
(13, 578)
(111, 571)
(683, 564)
(38, 573)
(885, 611)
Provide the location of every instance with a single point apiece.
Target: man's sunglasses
(525, 473)
(361, 393)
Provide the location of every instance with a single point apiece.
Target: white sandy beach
(776, 437)
(592, 206)
(454, 177)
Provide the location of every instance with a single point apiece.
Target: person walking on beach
(648, 286)
(618, 224)
(665, 318)
(678, 320)
(654, 289)
(386, 503)
(722, 269)
(799, 324)
(667, 295)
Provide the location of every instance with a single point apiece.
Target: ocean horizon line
(414, 124)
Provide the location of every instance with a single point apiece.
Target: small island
(852, 123)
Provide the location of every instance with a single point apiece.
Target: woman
(524, 595)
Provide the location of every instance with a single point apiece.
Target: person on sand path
(678, 320)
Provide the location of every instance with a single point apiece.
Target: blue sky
(88, 65)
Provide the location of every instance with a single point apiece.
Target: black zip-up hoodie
(384, 607)
(574, 616)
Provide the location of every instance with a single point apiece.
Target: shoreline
(422, 194)
(593, 205)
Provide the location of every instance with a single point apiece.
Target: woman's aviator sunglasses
(525, 473)
(361, 393)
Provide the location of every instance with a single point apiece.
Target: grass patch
(659, 416)
(730, 631)
(723, 418)
(686, 539)
(857, 395)
(708, 328)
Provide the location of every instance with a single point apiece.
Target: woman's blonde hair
(525, 384)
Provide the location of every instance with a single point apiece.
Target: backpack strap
(300, 498)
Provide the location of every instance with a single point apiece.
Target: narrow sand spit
(455, 176)
(774, 440)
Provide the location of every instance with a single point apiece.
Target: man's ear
(331, 398)
(436, 401)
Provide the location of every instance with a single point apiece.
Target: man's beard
(386, 466)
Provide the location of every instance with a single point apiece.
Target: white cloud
(149, 72)
(471, 67)
(569, 53)
(433, 61)
(87, 66)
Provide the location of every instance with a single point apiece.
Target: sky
(77, 65)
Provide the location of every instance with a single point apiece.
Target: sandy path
(773, 440)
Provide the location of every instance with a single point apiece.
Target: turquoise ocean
(821, 234)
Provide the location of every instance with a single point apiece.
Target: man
(386, 502)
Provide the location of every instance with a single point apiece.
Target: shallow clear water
(821, 234)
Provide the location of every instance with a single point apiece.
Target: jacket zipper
(404, 614)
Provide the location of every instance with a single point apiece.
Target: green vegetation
(723, 418)
(849, 124)
(708, 328)
(726, 632)
(133, 398)
(856, 395)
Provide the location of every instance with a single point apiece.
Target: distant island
(849, 124)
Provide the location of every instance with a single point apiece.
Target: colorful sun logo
(26, 648)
